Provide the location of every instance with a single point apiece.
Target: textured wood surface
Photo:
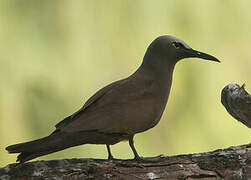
(233, 163)
(237, 102)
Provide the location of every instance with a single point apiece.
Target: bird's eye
(177, 45)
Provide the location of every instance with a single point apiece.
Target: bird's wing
(128, 106)
(93, 99)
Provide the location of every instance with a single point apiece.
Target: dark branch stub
(237, 102)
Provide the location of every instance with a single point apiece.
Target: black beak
(198, 54)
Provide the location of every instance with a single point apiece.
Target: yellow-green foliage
(56, 54)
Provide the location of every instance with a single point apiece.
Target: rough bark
(233, 163)
(237, 102)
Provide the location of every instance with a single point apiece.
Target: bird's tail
(59, 140)
(52, 143)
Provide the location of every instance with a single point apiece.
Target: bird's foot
(111, 158)
(150, 159)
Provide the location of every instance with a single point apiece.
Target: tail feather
(26, 156)
(58, 141)
(52, 143)
(29, 146)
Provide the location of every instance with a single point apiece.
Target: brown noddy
(121, 109)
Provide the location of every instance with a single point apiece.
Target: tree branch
(232, 163)
(237, 102)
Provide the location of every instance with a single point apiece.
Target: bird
(121, 109)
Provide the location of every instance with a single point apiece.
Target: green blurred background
(56, 54)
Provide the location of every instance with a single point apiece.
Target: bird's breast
(145, 112)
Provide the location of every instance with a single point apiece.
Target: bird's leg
(136, 155)
(140, 159)
(110, 157)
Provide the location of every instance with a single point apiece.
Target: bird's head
(173, 49)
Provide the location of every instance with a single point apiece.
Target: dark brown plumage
(120, 110)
